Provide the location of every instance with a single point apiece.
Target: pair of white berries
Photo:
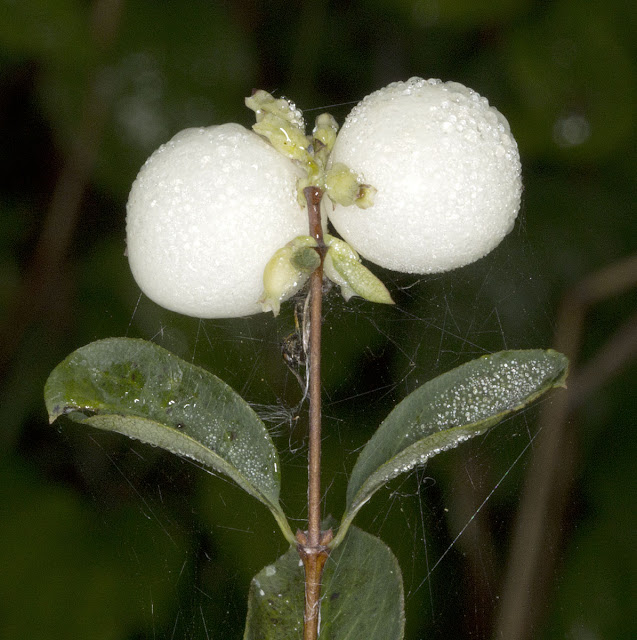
(211, 207)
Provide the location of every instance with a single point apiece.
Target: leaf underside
(361, 599)
(140, 390)
(442, 413)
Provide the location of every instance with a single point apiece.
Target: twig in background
(540, 522)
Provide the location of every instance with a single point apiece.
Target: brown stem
(313, 196)
(312, 545)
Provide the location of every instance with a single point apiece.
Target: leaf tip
(566, 365)
(54, 412)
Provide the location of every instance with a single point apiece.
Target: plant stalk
(312, 544)
(313, 196)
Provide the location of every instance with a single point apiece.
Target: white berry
(447, 173)
(205, 214)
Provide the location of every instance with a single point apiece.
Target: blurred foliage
(102, 539)
(75, 569)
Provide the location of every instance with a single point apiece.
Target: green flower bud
(285, 138)
(342, 265)
(324, 135)
(262, 103)
(343, 187)
(287, 271)
(280, 122)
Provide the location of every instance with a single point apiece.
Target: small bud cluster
(423, 177)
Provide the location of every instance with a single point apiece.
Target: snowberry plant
(423, 177)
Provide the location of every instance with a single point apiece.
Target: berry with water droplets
(446, 170)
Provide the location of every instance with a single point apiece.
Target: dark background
(107, 539)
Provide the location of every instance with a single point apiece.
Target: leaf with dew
(454, 407)
(140, 390)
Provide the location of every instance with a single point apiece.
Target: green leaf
(138, 389)
(362, 596)
(448, 410)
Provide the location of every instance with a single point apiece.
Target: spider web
(448, 524)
